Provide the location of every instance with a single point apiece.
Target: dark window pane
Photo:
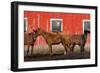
(87, 26)
(56, 25)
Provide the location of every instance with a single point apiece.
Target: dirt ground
(41, 53)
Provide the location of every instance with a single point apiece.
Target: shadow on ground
(47, 57)
(42, 54)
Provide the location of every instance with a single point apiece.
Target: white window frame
(56, 19)
(84, 24)
(26, 24)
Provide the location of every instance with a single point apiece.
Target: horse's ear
(29, 33)
(34, 30)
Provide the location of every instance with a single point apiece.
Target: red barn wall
(72, 22)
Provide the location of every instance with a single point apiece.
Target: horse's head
(35, 34)
(40, 31)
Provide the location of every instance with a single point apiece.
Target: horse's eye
(29, 33)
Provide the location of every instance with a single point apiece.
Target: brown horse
(68, 41)
(51, 39)
(71, 40)
(29, 40)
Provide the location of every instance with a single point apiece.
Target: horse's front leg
(82, 50)
(27, 51)
(32, 49)
(50, 50)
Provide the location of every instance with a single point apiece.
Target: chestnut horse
(71, 40)
(68, 41)
(29, 40)
(51, 39)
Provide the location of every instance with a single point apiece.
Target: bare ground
(42, 54)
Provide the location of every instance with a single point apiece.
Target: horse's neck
(84, 36)
(44, 34)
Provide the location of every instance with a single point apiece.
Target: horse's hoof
(65, 53)
(51, 54)
(31, 55)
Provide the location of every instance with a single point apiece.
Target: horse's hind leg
(66, 47)
(72, 47)
(72, 54)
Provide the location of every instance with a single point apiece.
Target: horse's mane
(49, 33)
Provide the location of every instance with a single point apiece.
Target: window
(86, 25)
(56, 25)
(25, 24)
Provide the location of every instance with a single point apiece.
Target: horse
(68, 41)
(29, 40)
(51, 39)
(71, 40)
